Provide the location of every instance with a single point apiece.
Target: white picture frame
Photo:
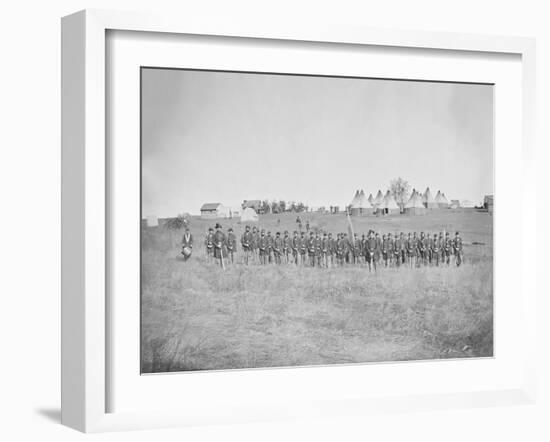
(86, 202)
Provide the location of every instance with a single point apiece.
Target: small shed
(212, 210)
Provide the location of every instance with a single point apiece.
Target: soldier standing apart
(287, 247)
(209, 245)
(457, 247)
(295, 247)
(231, 244)
(187, 244)
(220, 245)
(303, 248)
(277, 248)
(262, 248)
(269, 247)
(246, 243)
(340, 249)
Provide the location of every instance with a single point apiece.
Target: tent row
(381, 204)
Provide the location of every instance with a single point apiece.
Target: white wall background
(30, 220)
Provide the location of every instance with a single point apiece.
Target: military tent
(389, 205)
(441, 200)
(428, 200)
(415, 206)
(361, 207)
(355, 198)
(370, 198)
(378, 200)
(249, 214)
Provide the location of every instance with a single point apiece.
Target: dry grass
(196, 317)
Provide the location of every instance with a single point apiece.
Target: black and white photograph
(297, 220)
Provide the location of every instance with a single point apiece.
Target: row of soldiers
(324, 250)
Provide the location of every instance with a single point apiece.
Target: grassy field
(197, 317)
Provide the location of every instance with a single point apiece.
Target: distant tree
(274, 207)
(265, 207)
(400, 190)
(282, 206)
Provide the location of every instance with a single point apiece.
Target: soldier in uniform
(277, 248)
(269, 247)
(231, 243)
(287, 247)
(311, 249)
(220, 245)
(436, 248)
(457, 248)
(331, 250)
(378, 252)
(411, 249)
(318, 249)
(303, 248)
(325, 250)
(187, 243)
(448, 248)
(403, 248)
(386, 249)
(296, 247)
(246, 243)
(422, 247)
(209, 245)
(371, 250)
(255, 244)
(262, 248)
(397, 245)
(429, 248)
(340, 249)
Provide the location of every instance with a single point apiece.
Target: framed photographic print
(266, 223)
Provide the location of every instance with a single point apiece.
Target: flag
(350, 228)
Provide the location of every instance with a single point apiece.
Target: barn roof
(210, 206)
(251, 203)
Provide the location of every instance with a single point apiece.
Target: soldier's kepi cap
(230, 229)
(278, 234)
(218, 226)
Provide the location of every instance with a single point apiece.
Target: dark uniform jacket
(246, 240)
(263, 244)
(220, 244)
(287, 243)
(311, 246)
(209, 241)
(231, 242)
(277, 245)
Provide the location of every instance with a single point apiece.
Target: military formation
(325, 250)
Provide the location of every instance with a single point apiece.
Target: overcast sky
(225, 137)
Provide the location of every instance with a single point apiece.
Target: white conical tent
(379, 199)
(415, 205)
(362, 206)
(249, 214)
(355, 198)
(441, 200)
(429, 201)
(370, 199)
(389, 204)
